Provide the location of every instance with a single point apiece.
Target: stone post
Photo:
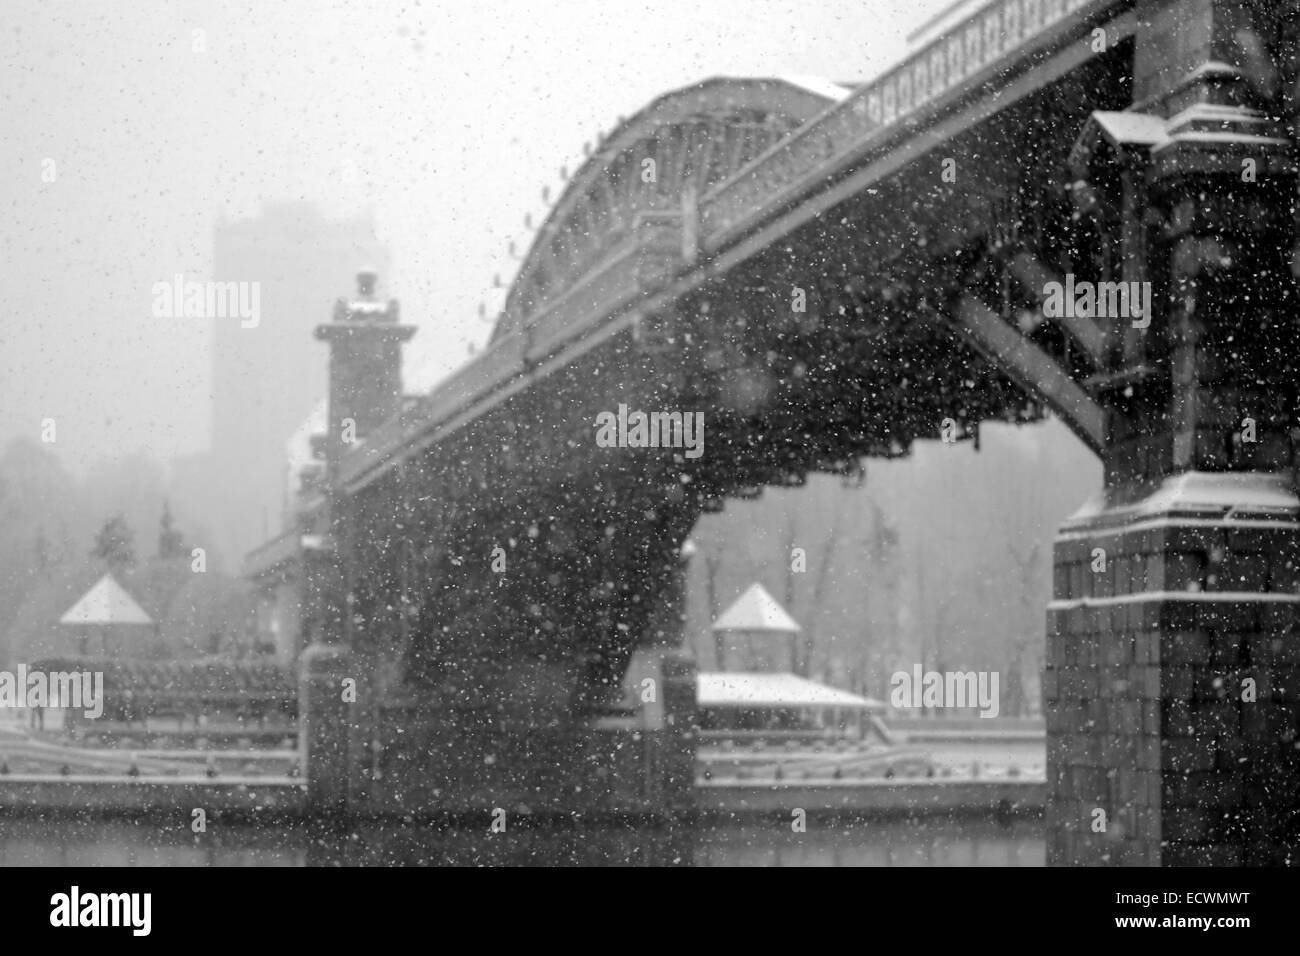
(364, 391)
(323, 715)
(670, 722)
(1173, 660)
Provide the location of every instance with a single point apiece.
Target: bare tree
(712, 565)
(1023, 503)
(803, 660)
(1027, 564)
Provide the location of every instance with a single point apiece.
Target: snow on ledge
(1222, 493)
(819, 85)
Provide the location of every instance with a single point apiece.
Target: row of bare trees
(941, 559)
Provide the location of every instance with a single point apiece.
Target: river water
(170, 842)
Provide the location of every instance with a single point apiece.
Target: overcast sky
(452, 117)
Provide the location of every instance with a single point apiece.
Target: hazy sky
(445, 119)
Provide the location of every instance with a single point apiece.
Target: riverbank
(167, 839)
(288, 796)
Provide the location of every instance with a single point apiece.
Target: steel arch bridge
(827, 273)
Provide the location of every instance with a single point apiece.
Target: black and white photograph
(577, 434)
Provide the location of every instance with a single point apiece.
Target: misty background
(292, 143)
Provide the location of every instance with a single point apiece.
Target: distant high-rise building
(267, 378)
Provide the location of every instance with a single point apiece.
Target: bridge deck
(996, 56)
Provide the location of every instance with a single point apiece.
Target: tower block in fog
(826, 273)
(293, 253)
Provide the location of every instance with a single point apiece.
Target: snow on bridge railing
(645, 256)
(969, 54)
(983, 44)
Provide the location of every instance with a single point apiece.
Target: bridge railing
(648, 255)
(281, 550)
(984, 45)
(962, 58)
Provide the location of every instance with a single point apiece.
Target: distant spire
(170, 543)
(366, 279)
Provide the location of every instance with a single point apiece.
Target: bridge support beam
(1172, 684)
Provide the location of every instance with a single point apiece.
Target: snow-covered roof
(1131, 127)
(106, 603)
(819, 85)
(756, 610)
(1199, 491)
(752, 689)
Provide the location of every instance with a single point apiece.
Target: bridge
(827, 273)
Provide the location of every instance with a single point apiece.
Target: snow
(741, 688)
(818, 85)
(756, 610)
(106, 603)
(1227, 494)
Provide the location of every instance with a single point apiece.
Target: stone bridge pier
(1172, 685)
